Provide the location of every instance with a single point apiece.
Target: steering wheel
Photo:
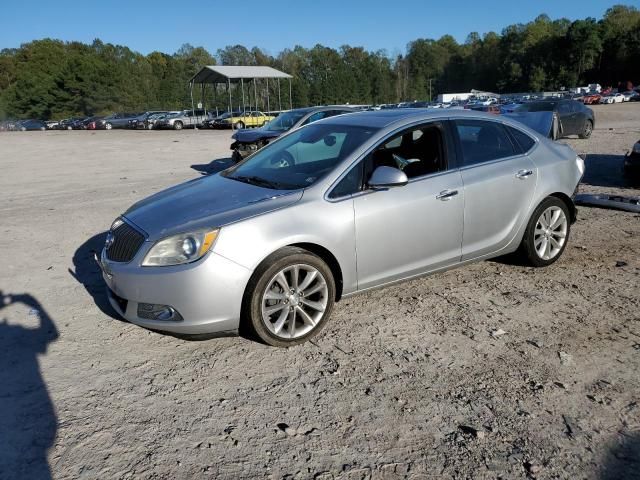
(283, 159)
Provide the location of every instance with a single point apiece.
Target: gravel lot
(406, 382)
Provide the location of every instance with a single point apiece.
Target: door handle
(523, 174)
(446, 195)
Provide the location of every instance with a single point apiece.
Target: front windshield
(536, 107)
(300, 159)
(284, 121)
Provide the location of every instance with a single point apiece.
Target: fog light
(152, 311)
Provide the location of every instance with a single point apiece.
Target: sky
(273, 25)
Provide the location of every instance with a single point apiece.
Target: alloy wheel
(550, 233)
(294, 301)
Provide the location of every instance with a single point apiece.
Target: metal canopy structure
(237, 75)
(234, 73)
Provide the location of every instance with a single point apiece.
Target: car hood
(211, 201)
(255, 134)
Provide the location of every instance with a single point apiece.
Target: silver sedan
(336, 208)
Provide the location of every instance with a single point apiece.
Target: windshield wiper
(253, 180)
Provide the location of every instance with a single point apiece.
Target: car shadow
(214, 166)
(87, 272)
(622, 462)
(603, 170)
(28, 420)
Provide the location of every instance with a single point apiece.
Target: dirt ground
(406, 382)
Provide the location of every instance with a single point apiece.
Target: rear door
(499, 183)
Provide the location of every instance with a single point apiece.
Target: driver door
(412, 229)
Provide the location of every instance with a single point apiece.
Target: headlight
(580, 164)
(179, 249)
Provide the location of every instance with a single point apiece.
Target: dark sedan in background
(30, 125)
(556, 118)
(250, 141)
(118, 120)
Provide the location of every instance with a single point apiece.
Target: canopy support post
(230, 101)
(192, 108)
(279, 98)
(268, 104)
(290, 101)
(255, 93)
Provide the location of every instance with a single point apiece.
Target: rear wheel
(239, 125)
(177, 125)
(588, 129)
(289, 297)
(547, 233)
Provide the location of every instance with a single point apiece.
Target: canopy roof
(233, 73)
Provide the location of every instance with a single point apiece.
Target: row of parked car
(149, 120)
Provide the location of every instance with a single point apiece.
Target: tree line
(55, 79)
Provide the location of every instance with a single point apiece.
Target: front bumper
(207, 294)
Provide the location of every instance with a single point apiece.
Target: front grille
(126, 243)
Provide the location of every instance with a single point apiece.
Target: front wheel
(547, 233)
(289, 297)
(108, 126)
(177, 126)
(239, 125)
(588, 129)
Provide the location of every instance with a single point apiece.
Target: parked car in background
(31, 125)
(250, 118)
(118, 120)
(270, 244)
(493, 108)
(612, 98)
(183, 119)
(250, 141)
(51, 124)
(217, 121)
(95, 123)
(66, 124)
(628, 96)
(592, 98)
(142, 120)
(573, 117)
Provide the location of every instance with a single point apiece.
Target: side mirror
(385, 177)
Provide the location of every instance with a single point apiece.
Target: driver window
(417, 152)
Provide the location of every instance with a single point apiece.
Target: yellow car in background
(252, 118)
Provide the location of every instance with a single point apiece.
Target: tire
(588, 129)
(177, 125)
(310, 305)
(239, 125)
(542, 246)
(108, 126)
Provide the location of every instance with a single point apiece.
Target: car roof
(385, 118)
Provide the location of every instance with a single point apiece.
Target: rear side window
(525, 142)
(483, 141)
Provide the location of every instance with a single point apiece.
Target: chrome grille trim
(127, 240)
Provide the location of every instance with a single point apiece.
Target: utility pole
(430, 89)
